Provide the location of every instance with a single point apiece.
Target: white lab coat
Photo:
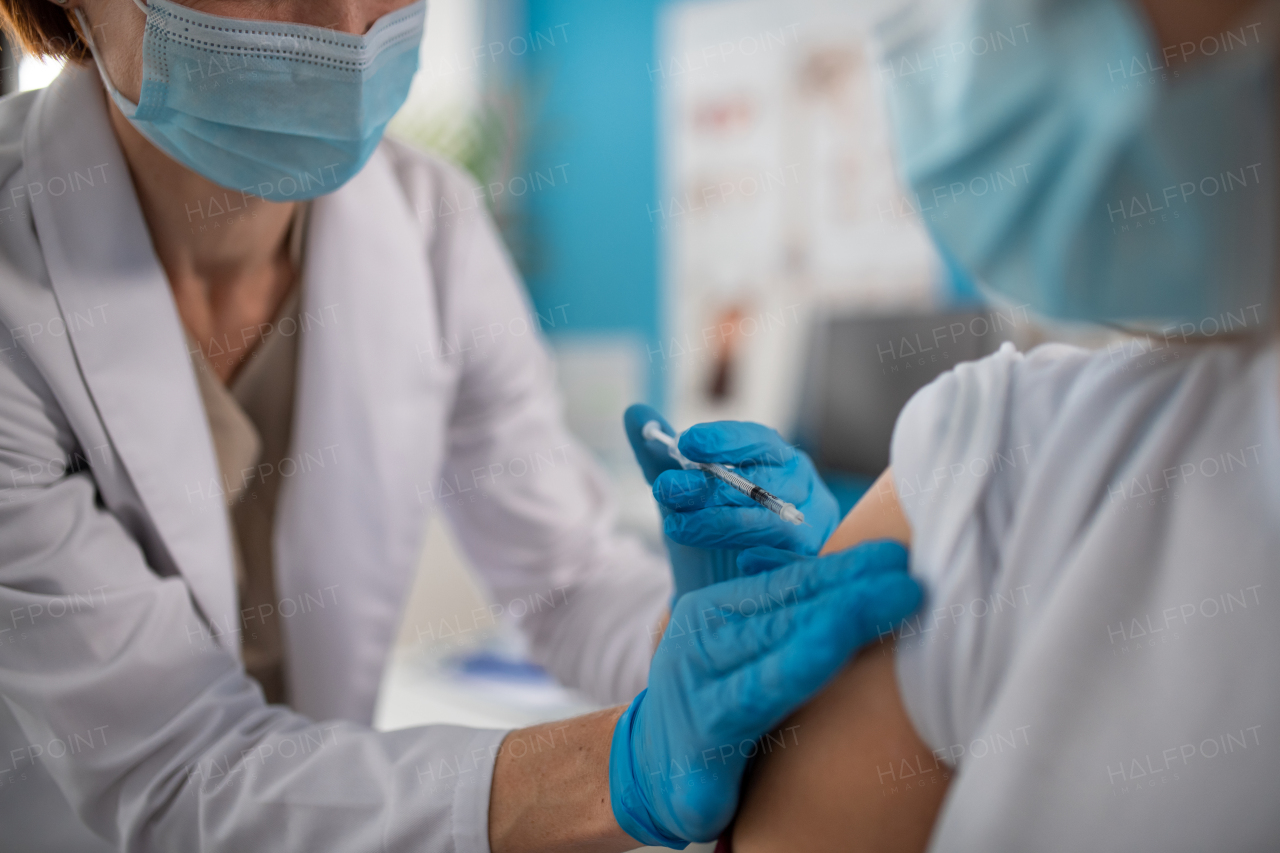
(421, 382)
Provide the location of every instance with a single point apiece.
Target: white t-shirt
(1099, 652)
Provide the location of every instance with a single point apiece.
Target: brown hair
(42, 29)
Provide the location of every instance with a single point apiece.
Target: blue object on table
(487, 664)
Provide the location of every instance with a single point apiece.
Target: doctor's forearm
(551, 789)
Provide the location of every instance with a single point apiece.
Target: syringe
(787, 512)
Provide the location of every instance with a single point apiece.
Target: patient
(1094, 668)
(1094, 665)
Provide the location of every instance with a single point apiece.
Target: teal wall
(591, 107)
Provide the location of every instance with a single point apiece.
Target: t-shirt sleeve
(962, 450)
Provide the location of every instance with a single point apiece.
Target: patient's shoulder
(972, 440)
(974, 432)
(1007, 467)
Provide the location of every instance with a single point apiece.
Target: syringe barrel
(745, 486)
(737, 481)
(653, 431)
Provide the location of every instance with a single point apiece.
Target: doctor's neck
(226, 254)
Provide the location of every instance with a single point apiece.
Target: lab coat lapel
(127, 337)
(368, 426)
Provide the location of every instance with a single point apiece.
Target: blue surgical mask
(282, 111)
(1071, 165)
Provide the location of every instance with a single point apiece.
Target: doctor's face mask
(282, 111)
(1068, 163)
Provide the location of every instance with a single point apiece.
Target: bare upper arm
(853, 774)
(878, 515)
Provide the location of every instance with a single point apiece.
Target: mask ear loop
(86, 32)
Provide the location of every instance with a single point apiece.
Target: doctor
(244, 348)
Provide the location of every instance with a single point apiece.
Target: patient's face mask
(1070, 164)
(278, 110)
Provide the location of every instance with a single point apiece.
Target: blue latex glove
(705, 513)
(691, 567)
(755, 561)
(737, 658)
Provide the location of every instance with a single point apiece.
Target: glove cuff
(631, 808)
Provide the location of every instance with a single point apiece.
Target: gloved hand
(756, 561)
(691, 567)
(705, 513)
(737, 658)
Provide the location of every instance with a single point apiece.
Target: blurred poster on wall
(779, 200)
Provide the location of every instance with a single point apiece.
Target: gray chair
(860, 372)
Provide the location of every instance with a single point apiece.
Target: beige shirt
(251, 420)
